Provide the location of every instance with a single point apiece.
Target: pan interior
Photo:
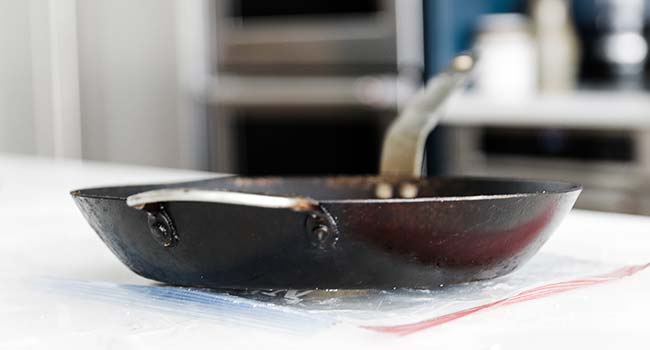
(351, 187)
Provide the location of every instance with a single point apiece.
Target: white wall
(16, 99)
(133, 94)
(128, 81)
(129, 74)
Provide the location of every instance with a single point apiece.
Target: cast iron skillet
(387, 231)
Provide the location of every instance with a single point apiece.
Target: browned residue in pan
(305, 204)
(260, 181)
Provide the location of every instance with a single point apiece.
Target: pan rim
(566, 188)
(447, 198)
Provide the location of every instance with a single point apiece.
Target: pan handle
(140, 200)
(320, 226)
(403, 149)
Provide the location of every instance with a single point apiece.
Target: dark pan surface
(456, 230)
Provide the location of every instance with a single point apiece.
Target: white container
(507, 52)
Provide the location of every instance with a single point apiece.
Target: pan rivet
(384, 191)
(321, 237)
(320, 234)
(408, 190)
(161, 227)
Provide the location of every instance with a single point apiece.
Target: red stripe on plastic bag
(529, 294)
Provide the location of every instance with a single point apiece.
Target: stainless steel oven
(319, 34)
(333, 69)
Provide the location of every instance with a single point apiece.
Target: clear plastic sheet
(400, 311)
(408, 305)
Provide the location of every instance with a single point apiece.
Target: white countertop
(62, 288)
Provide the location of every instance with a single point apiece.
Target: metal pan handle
(403, 149)
(140, 200)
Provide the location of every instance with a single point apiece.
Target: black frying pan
(392, 230)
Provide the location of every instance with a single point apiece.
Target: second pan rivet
(320, 234)
(408, 190)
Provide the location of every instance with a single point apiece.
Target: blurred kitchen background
(308, 87)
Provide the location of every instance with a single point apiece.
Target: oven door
(315, 33)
